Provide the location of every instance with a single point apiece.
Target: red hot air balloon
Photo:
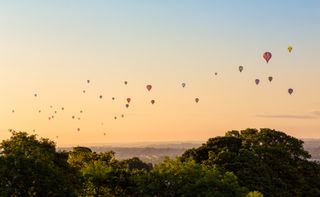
(153, 101)
(197, 100)
(257, 81)
(267, 56)
(128, 100)
(290, 91)
(149, 87)
(270, 78)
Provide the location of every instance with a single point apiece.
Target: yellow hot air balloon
(290, 49)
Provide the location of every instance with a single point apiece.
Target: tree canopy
(247, 163)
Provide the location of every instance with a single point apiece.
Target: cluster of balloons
(266, 56)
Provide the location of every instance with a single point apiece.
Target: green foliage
(254, 194)
(31, 167)
(176, 178)
(268, 161)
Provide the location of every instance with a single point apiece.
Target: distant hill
(156, 152)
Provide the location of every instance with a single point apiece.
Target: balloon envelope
(267, 56)
(197, 100)
(240, 68)
(153, 101)
(270, 78)
(128, 100)
(149, 87)
(290, 91)
(290, 49)
(257, 81)
(183, 85)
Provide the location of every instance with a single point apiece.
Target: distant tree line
(247, 163)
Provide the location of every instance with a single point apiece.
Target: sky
(51, 48)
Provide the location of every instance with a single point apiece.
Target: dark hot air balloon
(240, 68)
(183, 85)
(153, 101)
(197, 100)
(290, 91)
(128, 100)
(267, 56)
(270, 78)
(257, 81)
(149, 87)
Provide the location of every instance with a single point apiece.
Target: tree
(32, 167)
(187, 178)
(268, 161)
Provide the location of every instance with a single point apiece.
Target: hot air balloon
(73, 117)
(79, 118)
(100, 96)
(149, 87)
(267, 56)
(183, 85)
(257, 81)
(84, 91)
(55, 112)
(49, 118)
(81, 111)
(39, 111)
(35, 95)
(270, 78)
(78, 129)
(127, 105)
(128, 100)
(122, 116)
(240, 68)
(50, 106)
(216, 73)
(13, 111)
(104, 134)
(88, 81)
(113, 98)
(115, 117)
(197, 100)
(153, 101)
(290, 91)
(290, 49)
(62, 108)
(125, 82)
